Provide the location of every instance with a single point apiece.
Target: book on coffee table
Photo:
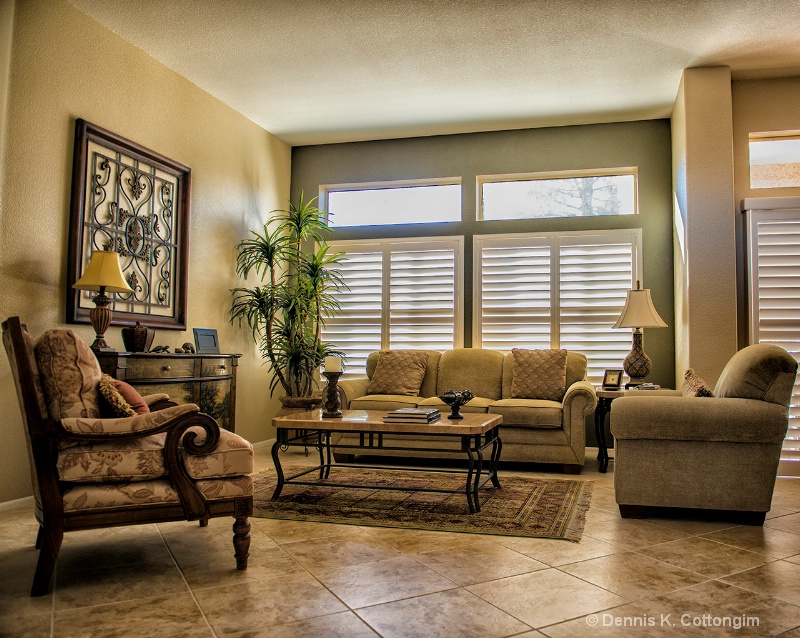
(413, 415)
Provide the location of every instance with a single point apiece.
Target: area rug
(522, 506)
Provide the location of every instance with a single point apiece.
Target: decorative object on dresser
(208, 380)
(102, 275)
(287, 306)
(137, 338)
(132, 200)
(455, 400)
(638, 313)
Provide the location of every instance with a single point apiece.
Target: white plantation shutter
(556, 291)
(774, 261)
(404, 294)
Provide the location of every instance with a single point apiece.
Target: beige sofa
(533, 430)
(703, 452)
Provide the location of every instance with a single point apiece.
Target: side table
(604, 399)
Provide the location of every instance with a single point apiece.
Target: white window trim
(480, 180)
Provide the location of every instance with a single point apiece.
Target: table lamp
(103, 274)
(638, 313)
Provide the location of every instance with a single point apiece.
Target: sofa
(704, 449)
(544, 406)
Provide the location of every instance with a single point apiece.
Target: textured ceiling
(319, 71)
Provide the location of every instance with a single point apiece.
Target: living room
(59, 65)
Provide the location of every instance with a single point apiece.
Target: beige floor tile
(162, 616)
(789, 523)
(557, 552)
(478, 563)
(787, 500)
(778, 579)
(793, 559)
(282, 531)
(705, 557)
(382, 581)
(634, 620)
(546, 597)
(22, 625)
(110, 552)
(763, 540)
(97, 586)
(341, 625)
(776, 512)
(17, 567)
(684, 521)
(629, 533)
(632, 575)
(603, 498)
(328, 553)
(454, 613)
(414, 541)
(253, 606)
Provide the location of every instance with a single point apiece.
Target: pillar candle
(333, 364)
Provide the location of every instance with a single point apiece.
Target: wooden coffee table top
(372, 421)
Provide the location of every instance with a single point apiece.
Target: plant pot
(299, 404)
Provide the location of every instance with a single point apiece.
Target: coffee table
(467, 437)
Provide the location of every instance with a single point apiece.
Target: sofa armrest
(581, 396)
(350, 389)
(125, 427)
(698, 419)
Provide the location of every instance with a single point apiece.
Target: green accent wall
(644, 144)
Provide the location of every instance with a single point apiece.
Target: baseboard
(19, 503)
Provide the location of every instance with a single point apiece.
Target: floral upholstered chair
(151, 461)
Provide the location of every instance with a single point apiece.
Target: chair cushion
(539, 374)
(120, 398)
(399, 372)
(143, 459)
(70, 375)
(535, 413)
(694, 386)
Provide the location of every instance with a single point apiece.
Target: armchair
(719, 452)
(174, 463)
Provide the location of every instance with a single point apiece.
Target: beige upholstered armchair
(703, 452)
(167, 464)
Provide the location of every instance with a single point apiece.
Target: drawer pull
(167, 368)
(222, 367)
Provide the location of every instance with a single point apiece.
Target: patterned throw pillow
(694, 386)
(121, 398)
(539, 374)
(399, 372)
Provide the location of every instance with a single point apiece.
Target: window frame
(480, 180)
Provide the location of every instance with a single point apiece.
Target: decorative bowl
(455, 399)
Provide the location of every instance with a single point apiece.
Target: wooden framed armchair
(173, 463)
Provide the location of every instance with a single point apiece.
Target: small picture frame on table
(612, 380)
(206, 341)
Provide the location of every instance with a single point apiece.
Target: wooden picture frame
(206, 341)
(612, 379)
(134, 201)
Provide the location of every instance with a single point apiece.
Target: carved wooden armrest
(158, 401)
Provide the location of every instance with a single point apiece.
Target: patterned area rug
(523, 506)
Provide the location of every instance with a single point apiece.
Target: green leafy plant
(287, 311)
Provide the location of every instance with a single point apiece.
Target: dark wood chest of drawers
(209, 380)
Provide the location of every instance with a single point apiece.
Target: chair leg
(203, 522)
(241, 541)
(572, 468)
(631, 511)
(50, 542)
(750, 518)
(39, 537)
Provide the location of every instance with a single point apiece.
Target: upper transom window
(582, 193)
(420, 201)
(775, 159)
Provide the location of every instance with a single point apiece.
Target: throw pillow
(121, 398)
(399, 372)
(539, 374)
(694, 386)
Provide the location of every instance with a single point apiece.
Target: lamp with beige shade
(638, 313)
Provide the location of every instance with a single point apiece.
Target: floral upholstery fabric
(92, 496)
(126, 425)
(69, 373)
(142, 459)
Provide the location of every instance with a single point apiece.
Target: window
(556, 290)
(403, 294)
(399, 202)
(774, 265)
(774, 160)
(558, 194)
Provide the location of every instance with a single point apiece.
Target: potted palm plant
(287, 309)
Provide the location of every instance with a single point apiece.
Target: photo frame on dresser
(133, 201)
(206, 340)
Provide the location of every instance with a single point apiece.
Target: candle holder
(332, 403)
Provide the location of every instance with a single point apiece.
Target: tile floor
(666, 576)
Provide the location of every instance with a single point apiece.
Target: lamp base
(100, 316)
(637, 364)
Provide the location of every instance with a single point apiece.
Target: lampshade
(103, 271)
(639, 311)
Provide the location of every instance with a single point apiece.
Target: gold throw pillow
(694, 386)
(399, 372)
(539, 374)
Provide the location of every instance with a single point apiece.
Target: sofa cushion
(576, 370)
(535, 413)
(762, 371)
(694, 386)
(474, 369)
(539, 374)
(477, 405)
(399, 372)
(70, 375)
(384, 402)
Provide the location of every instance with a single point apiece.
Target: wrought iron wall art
(134, 201)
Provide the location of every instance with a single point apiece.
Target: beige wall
(758, 106)
(65, 66)
(704, 223)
